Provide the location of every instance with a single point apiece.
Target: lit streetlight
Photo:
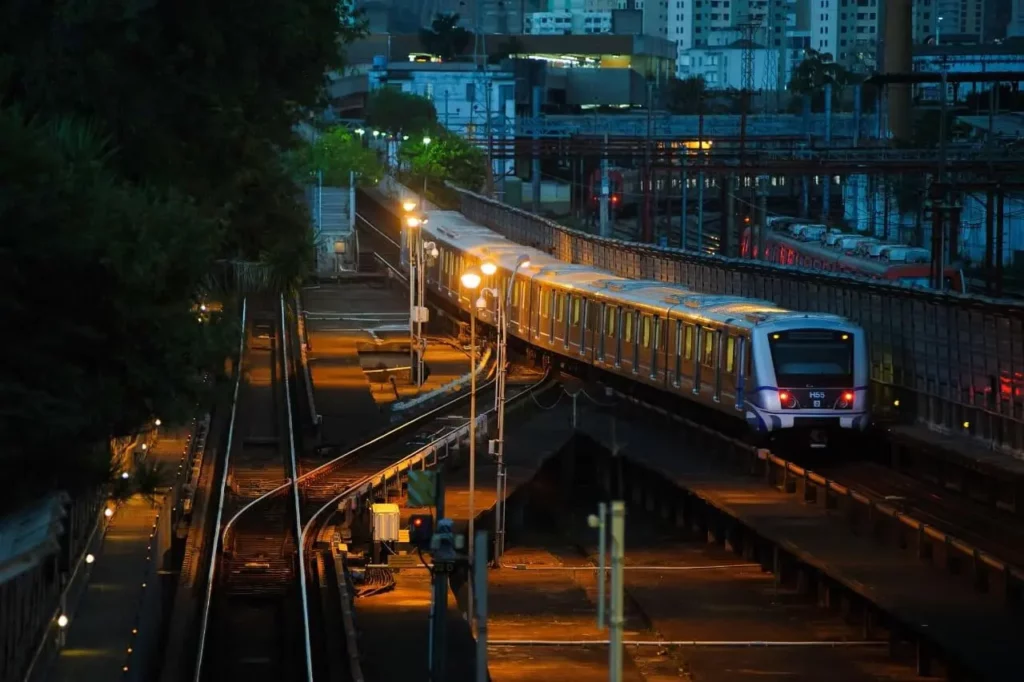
(471, 280)
(124, 475)
(413, 240)
(62, 620)
(157, 422)
(423, 196)
(108, 512)
(427, 249)
(89, 558)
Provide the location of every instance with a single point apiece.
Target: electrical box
(386, 520)
(421, 314)
(340, 246)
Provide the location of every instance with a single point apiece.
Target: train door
(557, 327)
(541, 301)
(699, 334)
(728, 372)
(742, 369)
(644, 345)
(514, 306)
(572, 317)
(677, 352)
(712, 359)
(611, 334)
(627, 327)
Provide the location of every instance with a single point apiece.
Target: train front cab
(811, 383)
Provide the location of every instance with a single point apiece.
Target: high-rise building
(1016, 25)
(935, 18)
(849, 30)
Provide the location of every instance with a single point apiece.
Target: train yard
(739, 564)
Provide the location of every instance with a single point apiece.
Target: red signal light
(615, 200)
(417, 522)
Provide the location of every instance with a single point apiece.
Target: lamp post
(504, 304)
(471, 280)
(427, 249)
(413, 222)
(423, 196)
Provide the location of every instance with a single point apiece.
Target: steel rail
(295, 493)
(207, 600)
(457, 432)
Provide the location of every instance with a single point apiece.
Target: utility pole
(700, 179)
(490, 139)
(443, 555)
(761, 220)
(480, 586)
(605, 231)
(648, 174)
(617, 620)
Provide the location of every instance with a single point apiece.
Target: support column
(535, 158)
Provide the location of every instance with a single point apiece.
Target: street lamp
(423, 196)
(409, 205)
(503, 304)
(426, 249)
(412, 222)
(471, 280)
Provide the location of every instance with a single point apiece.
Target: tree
(817, 70)
(449, 157)
(445, 38)
(197, 98)
(394, 111)
(101, 279)
(687, 95)
(336, 153)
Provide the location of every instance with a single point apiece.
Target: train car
(789, 242)
(779, 372)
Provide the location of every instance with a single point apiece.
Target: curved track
(251, 626)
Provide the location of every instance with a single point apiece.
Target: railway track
(327, 485)
(251, 626)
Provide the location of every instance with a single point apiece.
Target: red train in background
(819, 247)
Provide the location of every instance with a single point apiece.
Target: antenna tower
(747, 30)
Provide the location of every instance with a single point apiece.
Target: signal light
(421, 530)
(848, 396)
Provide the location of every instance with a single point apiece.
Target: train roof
(482, 242)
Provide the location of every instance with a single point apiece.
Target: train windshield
(812, 358)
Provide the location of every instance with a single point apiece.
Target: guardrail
(988, 574)
(936, 357)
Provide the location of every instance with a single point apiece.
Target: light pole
(427, 249)
(471, 280)
(504, 304)
(413, 222)
(423, 196)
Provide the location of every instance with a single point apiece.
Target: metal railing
(937, 357)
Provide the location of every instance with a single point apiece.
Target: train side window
(688, 344)
(559, 306)
(611, 317)
(545, 303)
(575, 311)
(515, 294)
(709, 348)
(730, 354)
(627, 327)
(645, 331)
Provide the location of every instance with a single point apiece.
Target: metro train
(780, 372)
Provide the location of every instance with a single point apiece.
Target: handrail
(205, 618)
(458, 432)
(295, 490)
(892, 512)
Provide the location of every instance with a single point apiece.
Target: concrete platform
(977, 630)
(338, 317)
(396, 621)
(99, 633)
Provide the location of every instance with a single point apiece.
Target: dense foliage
(393, 111)
(142, 153)
(448, 157)
(336, 153)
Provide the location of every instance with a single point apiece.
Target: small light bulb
(157, 422)
(62, 621)
(89, 558)
(108, 512)
(124, 475)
